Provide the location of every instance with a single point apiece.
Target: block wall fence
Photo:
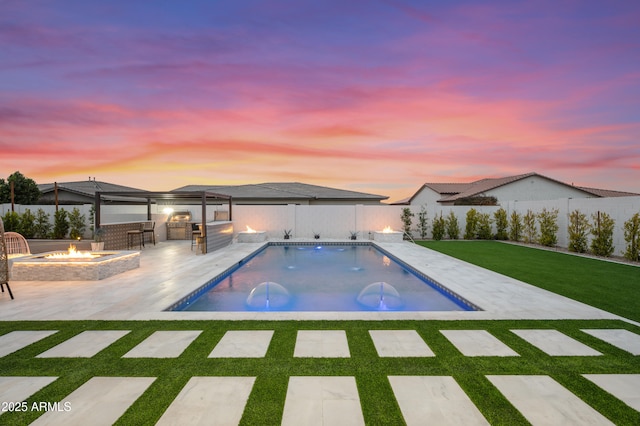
(338, 221)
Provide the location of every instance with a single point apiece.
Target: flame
(72, 253)
(251, 230)
(387, 230)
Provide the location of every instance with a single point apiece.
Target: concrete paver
(322, 401)
(400, 343)
(17, 389)
(543, 401)
(625, 387)
(555, 343)
(243, 344)
(85, 344)
(100, 401)
(16, 340)
(164, 344)
(621, 338)
(209, 401)
(321, 344)
(437, 398)
(477, 343)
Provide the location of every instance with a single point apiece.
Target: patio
(170, 271)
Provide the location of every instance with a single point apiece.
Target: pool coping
(178, 306)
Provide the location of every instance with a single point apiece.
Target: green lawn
(605, 285)
(272, 372)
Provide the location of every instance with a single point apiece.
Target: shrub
(77, 224)
(471, 225)
(423, 222)
(11, 221)
(42, 227)
(406, 220)
(438, 227)
(602, 231)
(27, 224)
(632, 237)
(453, 229)
(529, 229)
(60, 224)
(515, 226)
(484, 226)
(578, 230)
(548, 221)
(502, 224)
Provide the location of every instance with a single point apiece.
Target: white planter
(97, 246)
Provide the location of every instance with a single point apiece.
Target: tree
(27, 224)
(578, 230)
(11, 221)
(502, 224)
(60, 224)
(406, 220)
(515, 226)
(42, 226)
(76, 223)
(602, 231)
(529, 227)
(632, 237)
(453, 230)
(471, 225)
(548, 221)
(438, 227)
(423, 222)
(25, 190)
(484, 226)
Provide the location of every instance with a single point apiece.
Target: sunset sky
(376, 96)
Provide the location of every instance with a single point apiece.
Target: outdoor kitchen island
(217, 235)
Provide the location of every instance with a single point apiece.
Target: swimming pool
(322, 277)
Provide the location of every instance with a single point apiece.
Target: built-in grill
(179, 226)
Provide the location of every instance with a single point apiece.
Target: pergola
(190, 196)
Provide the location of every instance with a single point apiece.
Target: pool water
(322, 278)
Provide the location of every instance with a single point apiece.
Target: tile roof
(86, 187)
(284, 190)
(456, 191)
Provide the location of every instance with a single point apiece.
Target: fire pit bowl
(251, 236)
(104, 264)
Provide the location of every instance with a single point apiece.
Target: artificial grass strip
(266, 401)
(610, 286)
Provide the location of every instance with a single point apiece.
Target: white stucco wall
(338, 221)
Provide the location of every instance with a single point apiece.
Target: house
(525, 187)
(80, 192)
(282, 193)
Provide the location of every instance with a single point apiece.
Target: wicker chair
(4, 262)
(16, 243)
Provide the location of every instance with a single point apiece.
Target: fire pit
(251, 236)
(387, 235)
(74, 265)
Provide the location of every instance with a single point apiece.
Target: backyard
(575, 277)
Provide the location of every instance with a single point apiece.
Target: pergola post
(96, 214)
(203, 233)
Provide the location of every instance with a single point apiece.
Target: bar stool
(131, 235)
(195, 232)
(146, 230)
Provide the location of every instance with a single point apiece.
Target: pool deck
(171, 271)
